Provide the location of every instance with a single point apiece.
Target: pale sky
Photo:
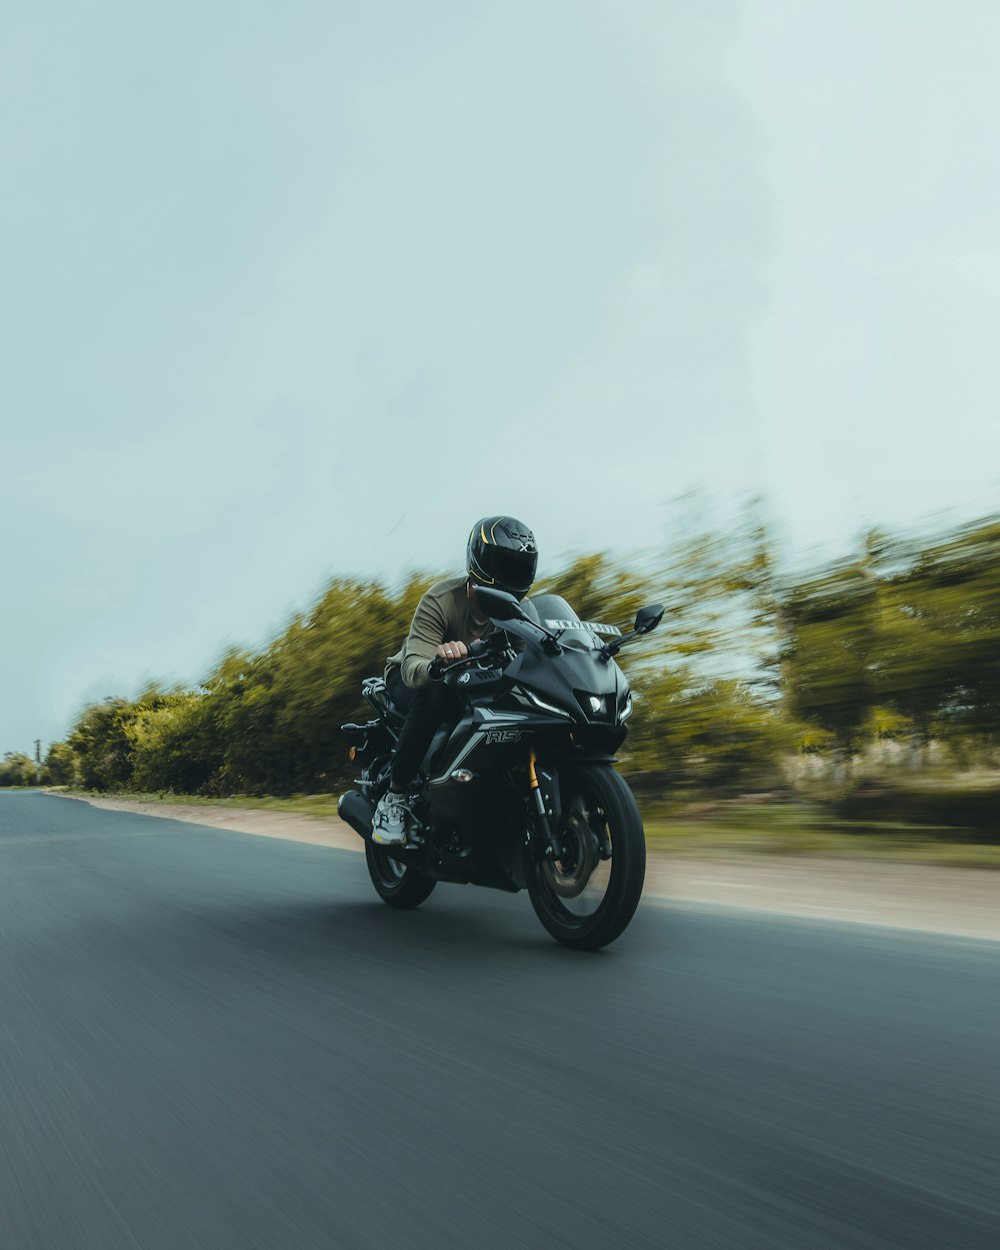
(293, 291)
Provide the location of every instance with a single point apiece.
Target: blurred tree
(320, 663)
(721, 591)
(938, 656)
(100, 741)
(598, 590)
(828, 639)
(107, 737)
(18, 769)
(244, 709)
(59, 768)
(756, 581)
(175, 743)
(717, 738)
(962, 576)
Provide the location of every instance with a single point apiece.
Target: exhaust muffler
(357, 811)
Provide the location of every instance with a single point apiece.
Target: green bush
(17, 769)
(973, 811)
(60, 767)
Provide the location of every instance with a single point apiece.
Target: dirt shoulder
(961, 902)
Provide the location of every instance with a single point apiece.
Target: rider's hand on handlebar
(449, 652)
(459, 651)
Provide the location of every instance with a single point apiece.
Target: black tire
(596, 804)
(396, 883)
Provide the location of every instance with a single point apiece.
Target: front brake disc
(568, 875)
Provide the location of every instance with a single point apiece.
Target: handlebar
(477, 650)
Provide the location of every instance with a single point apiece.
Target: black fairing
(577, 669)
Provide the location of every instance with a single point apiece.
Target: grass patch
(788, 828)
(804, 829)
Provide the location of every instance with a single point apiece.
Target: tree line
(899, 642)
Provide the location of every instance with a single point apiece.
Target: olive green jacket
(444, 614)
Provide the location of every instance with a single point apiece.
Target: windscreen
(555, 614)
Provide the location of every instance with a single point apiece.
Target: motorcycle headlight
(625, 711)
(597, 707)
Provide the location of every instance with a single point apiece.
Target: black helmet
(502, 553)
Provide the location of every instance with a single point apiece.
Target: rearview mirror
(647, 619)
(498, 604)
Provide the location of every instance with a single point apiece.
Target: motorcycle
(521, 792)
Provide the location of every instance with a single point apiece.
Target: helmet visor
(512, 570)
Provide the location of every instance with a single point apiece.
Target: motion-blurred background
(861, 700)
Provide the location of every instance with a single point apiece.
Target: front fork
(545, 846)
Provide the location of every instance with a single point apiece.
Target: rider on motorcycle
(501, 553)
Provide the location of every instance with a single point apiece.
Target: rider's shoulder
(447, 588)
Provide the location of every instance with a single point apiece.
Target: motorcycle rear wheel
(586, 902)
(396, 883)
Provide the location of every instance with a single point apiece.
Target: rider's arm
(427, 632)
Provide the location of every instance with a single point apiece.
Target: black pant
(426, 708)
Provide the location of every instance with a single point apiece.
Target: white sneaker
(389, 822)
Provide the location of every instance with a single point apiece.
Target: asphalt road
(215, 1041)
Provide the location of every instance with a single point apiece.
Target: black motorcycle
(521, 792)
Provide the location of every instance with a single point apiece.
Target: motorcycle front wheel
(396, 884)
(587, 897)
